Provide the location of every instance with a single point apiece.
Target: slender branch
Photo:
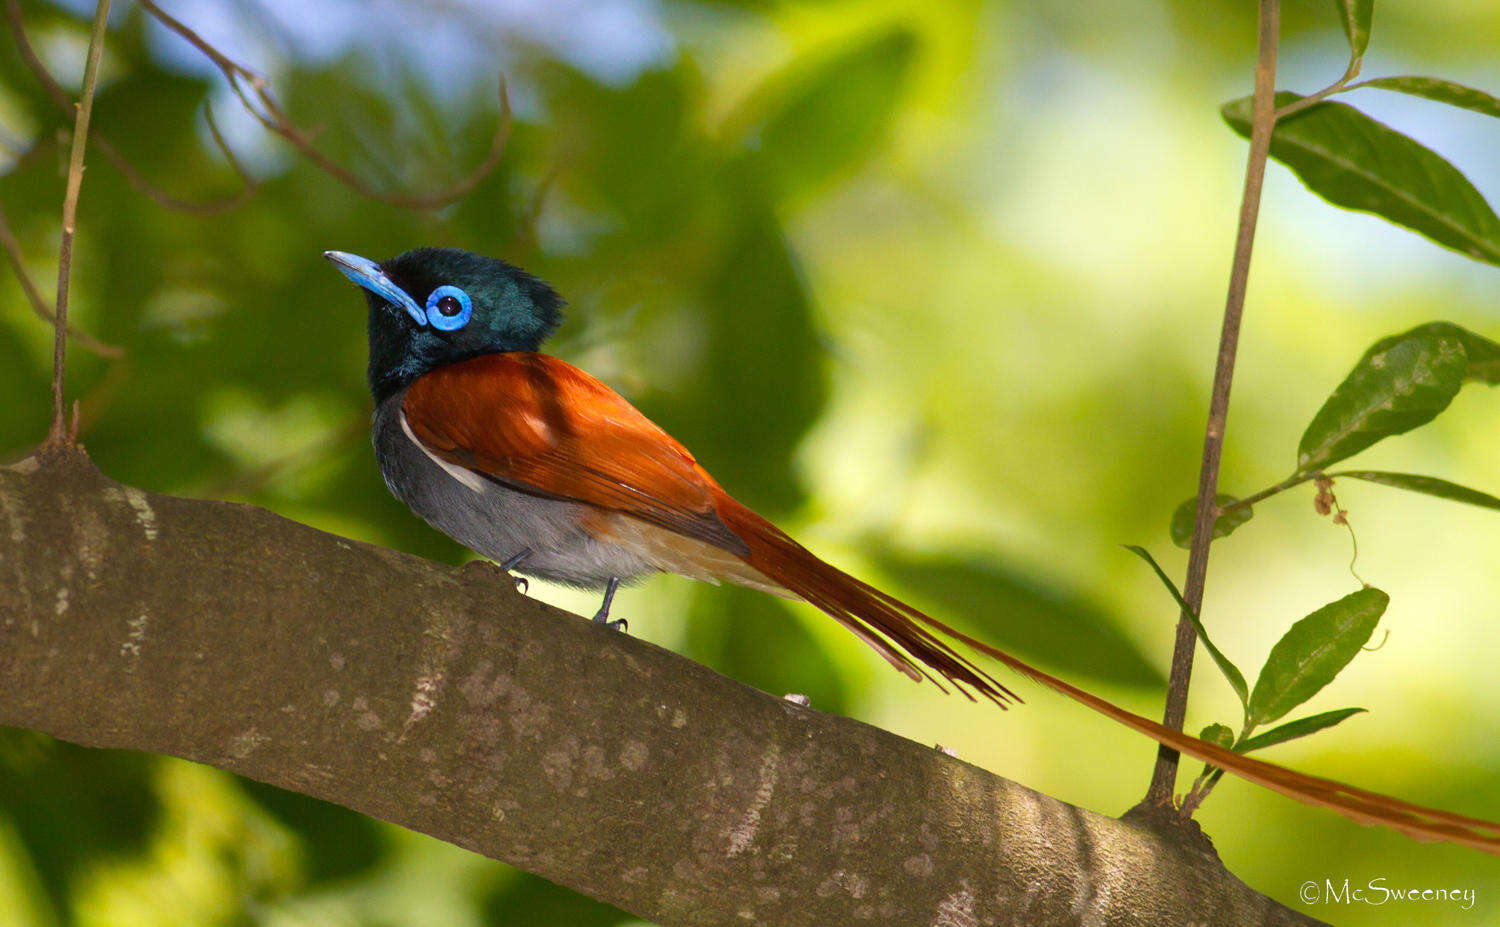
(57, 436)
(261, 104)
(1164, 777)
(38, 304)
(248, 183)
(443, 701)
(49, 83)
(1202, 786)
(1295, 479)
(65, 104)
(1338, 86)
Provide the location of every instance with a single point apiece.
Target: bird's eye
(449, 308)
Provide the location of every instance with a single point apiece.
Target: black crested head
(430, 307)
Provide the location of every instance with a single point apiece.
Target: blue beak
(368, 274)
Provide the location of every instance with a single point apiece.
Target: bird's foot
(602, 616)
(489, 568)
(522, 584)
(619, 624)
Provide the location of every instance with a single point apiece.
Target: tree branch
(443, 701)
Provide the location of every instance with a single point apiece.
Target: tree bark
(442, 700)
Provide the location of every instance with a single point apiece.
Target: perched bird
(538, 466)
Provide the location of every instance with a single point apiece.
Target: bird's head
(436, 306)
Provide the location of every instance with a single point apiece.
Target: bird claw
(485, 566)
(602, 615)
(619, 624)
(522, 584)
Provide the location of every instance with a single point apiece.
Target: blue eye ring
(449, 308)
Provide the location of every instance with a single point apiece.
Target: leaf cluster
(1401, 382)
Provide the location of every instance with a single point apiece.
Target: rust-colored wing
(541, 425)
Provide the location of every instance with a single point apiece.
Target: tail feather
(910, 640)
(883, 622)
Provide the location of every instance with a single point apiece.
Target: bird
(548, 472)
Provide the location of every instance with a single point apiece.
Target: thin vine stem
(1164, 776)
(58, 436)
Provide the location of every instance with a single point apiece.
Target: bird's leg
(510, 564)
(602, 616)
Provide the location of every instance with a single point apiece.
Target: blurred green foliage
(809, 232)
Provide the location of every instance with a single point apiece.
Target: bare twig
(254, 93)
(248, 184)
(64, 103)
(54, 90)
(57, 436)
(38, 304)
(1164, 777)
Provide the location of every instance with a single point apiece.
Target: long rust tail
(911, 641)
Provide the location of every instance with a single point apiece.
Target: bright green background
(934, 284)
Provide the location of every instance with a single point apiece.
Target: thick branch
(443, 701)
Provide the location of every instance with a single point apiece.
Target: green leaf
(1443, 91)
(1294, 729)
(1313, 651)
(1354, 16)
(1226, 666)
(825, 114)
(75, 809)
(1221, 734)
(337, 843)
(1351, 160)
(1181, 527)
(752, 303)
(525, 899)
(1430, 485)
(1394, 388)
(1483, 354)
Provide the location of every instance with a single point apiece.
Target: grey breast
(493, 519)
